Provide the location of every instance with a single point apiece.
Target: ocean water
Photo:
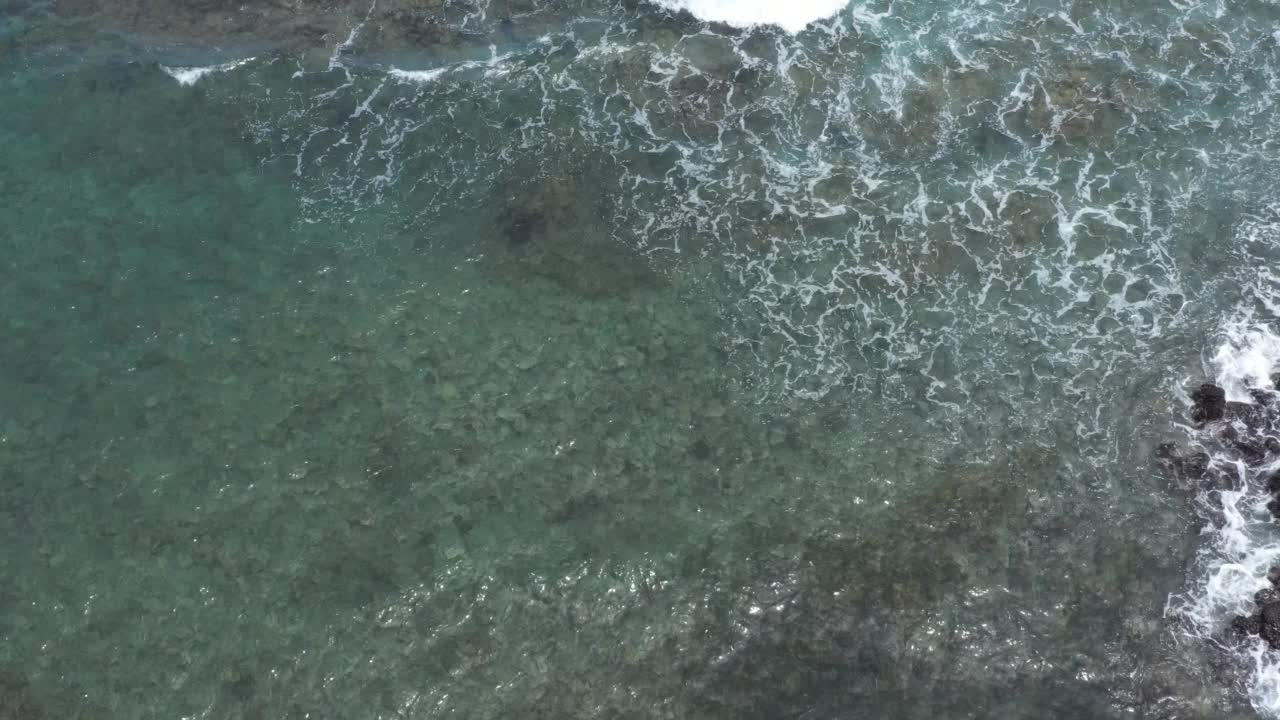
(590, 359)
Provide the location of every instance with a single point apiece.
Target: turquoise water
(591, 361)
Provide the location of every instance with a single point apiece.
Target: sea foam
(190, 75)
(1246, 359)
(792, 16)
(417, 75)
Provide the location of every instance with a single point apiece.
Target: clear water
(578, 359)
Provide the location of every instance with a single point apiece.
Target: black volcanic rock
(1273, 487)
(1246, 625)
(1270, 623)
(1188, 470)
(1265, 619)
(1210, 403)
(1251, 447)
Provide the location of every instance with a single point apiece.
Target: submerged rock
(1187, 470)
(1251, 448)
(557, 225)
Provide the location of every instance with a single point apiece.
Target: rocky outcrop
(1210, 403)
(1265, 620)
(1245, 438)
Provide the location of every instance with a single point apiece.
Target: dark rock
(1196, 464)
(1252, 449)
(522, 227)
(1270, 630)
(1265, 620)
(1275, 380)
(1244, 626)
(1167, 451)
(1220, 480)
(1210, 403)
(1249, 434)
(557, 226)
(1215, 517)
(1253, 416)
(1188, 470)
(1266, 596)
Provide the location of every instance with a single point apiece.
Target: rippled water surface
(581, 359)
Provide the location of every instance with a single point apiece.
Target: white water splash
(792, 16)
(1246, 359)
(421, 76)
(187, 76)
(1246, 550)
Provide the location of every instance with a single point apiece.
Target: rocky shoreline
(1240, 441)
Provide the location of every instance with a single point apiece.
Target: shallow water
(583, 360)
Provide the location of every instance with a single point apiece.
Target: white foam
(492, 67)
(790, 15)
(1264, 686)
(1243, 557)
(1247, 357)
(190, 75)
(421, 76)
